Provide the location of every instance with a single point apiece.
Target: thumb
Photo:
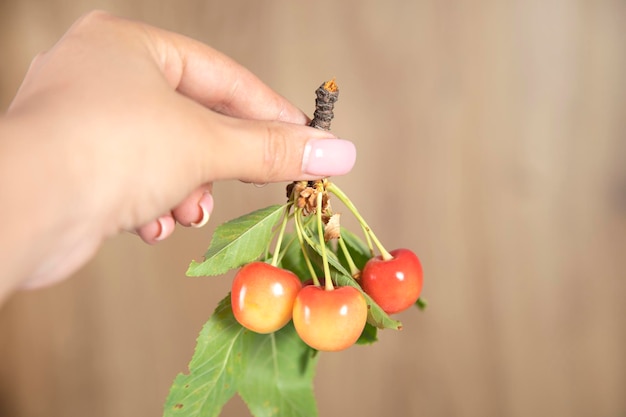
(272, 151)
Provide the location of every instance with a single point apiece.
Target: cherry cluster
(327, 317)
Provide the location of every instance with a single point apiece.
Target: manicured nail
(327, 157)
(166, 223)
(206, 205)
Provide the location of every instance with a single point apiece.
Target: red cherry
(262, 296)
(394, 284)
(329, 320)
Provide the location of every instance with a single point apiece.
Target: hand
(122, 126)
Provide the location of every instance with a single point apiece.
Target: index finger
(217, 81)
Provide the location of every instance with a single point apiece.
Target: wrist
(18, 232)
(34, 219)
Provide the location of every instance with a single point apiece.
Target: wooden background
(491, 139)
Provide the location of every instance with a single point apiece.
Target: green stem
(285, 247)
(368, 239)
(354, 271)
(368, 230)
(300, 233)
(279, 239)
(320, 233)
(309, 241)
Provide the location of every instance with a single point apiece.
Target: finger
(193, 69)
(157, 230)
(217, 81)
(262, 151)
(196, 209)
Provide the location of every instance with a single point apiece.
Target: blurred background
(491, 140)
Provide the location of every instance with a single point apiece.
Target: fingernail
(206, 205)
(166, 223)
(327, 157)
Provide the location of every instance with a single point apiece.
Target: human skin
(121, 126)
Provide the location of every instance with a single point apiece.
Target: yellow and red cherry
(394, 284)
(329, 320)
(262, 296)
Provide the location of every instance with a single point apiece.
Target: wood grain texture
(491, 140)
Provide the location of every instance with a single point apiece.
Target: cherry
(262, 296)
(329, 320)
(394, 284)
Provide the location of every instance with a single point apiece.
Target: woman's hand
(122, 126)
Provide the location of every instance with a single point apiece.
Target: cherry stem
(320, 231)
(281, 234)
(285, 248)
(300, 234)
(368, 239)
(309, 240)
(354, 271)
(368, 230)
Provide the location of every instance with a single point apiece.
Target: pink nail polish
(166, 223)
(206, 205)
(326, 157)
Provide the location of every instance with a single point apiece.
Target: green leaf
(238, 242)
(272, 373)
(279, 375)
(369, 335)
(215, 368)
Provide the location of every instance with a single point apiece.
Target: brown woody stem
(327, 94)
